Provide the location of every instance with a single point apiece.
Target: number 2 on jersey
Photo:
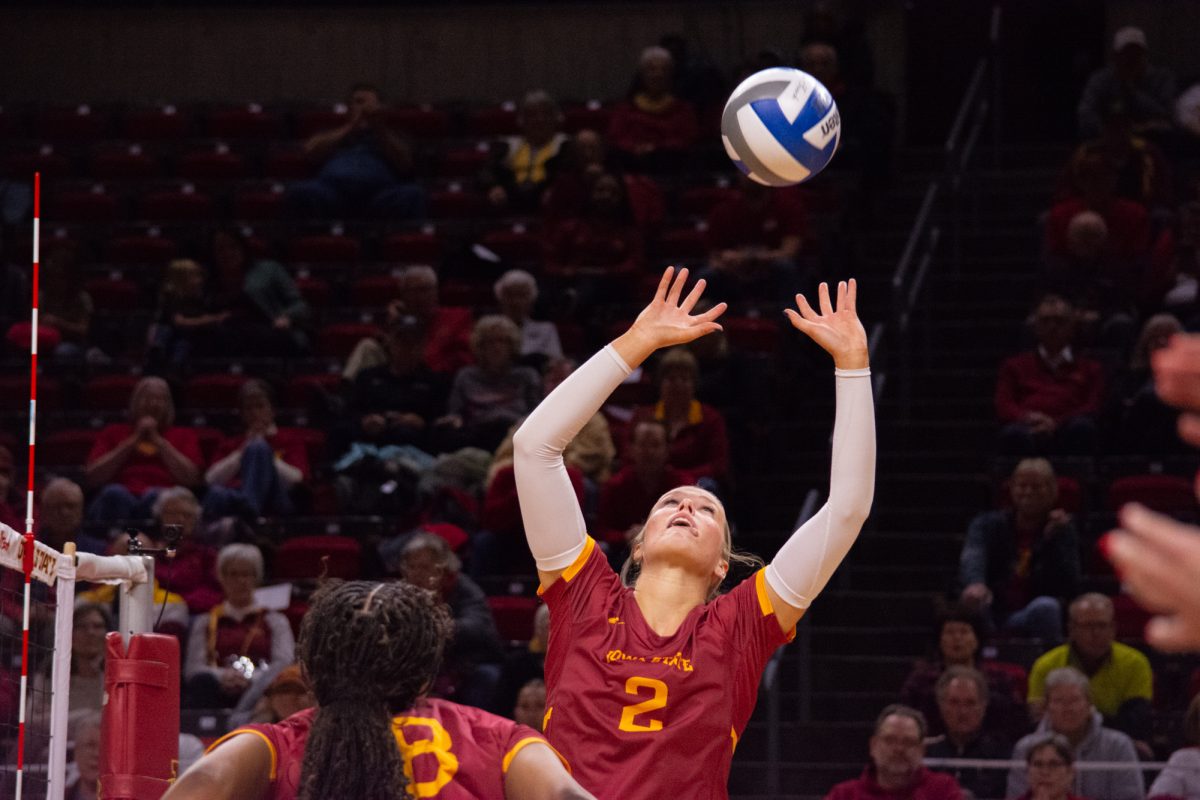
(630, 713)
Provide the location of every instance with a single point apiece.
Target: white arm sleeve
(553, 521)
(806, 561)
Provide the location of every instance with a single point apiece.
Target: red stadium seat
(315, 291)
(217, 390)
(515, 246)
(415, 247)
(422, 122)
(337, 340)
(592, 116)
(302, 389)
(160, 122)
(683, 243)
(210, 440)
(753, 335)
(113, 293)
(514, 617)
(14, 392)
(246, 122)
(288, 164)
(45, 159)
(259, 203)
(1167, 494)
(463, 162)
(308, 557)
(185, 204)
(498, 120)
(109, 392)
(454, 203)
(85, 205)
(477, 294)
(123, 162)
(374, 291)
(699, 200)
(68, 447)
(139, 249)
(326, 248)
(80, 122)
(1130, 617)
(314, 442)
(212, 165)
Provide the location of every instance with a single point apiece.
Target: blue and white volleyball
(781, 126)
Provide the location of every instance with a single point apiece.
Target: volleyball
(781, 126)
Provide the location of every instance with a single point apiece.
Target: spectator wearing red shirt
(254, 472)
(699, 444)
(628, 496)
(131, 461)
(1047, 398)
(895, 771)
(447, 329)
(192, 574)
(754, 240)
(652, 130)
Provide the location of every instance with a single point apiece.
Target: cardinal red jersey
(640, 715)
(450, 752)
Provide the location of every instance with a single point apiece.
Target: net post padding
(140, 728)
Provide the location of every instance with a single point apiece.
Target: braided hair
(369, 650)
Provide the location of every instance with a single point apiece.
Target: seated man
(255, 472)
(365, 167)
(628, 496)
(61, 518)
(1122, 684)
(897, 747)
(1047, 398)
(1070, 713)
(1145, 90)
(962, 699)
(754, 240)
(131, 461)
(523, 167)
(1017, 563)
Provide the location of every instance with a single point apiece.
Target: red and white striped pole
(29, 542)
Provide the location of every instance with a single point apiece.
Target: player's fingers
(1149, 573)
(664, 283)
(1176, 539)
(852, 295)
(1172, 633)
(806, 310)
(677, 287)
(841, 296)
(694, 295)
(1189, 428)
(712, 314)
(798, 322)
(823, 299)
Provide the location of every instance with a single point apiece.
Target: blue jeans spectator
(356, 179)
(115, 503)
(262, 491)
(1042, 619)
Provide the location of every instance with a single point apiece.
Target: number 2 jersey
(451, 752)
(640, 715)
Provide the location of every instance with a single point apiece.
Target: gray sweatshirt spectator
(1142, 90)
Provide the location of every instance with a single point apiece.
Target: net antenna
(29, 550)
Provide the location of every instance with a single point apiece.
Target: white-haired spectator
(522, 167)
(85, 734)
(1146, 92)
(494, 392)
(653, 127)
(237, 637)
(1181, 777)
(516, 292)
(1070, 714)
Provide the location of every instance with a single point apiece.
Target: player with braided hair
(370, 651)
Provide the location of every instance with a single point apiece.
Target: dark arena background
(289, 250)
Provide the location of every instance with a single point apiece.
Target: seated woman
(1181, 777)
(1051, 770)
(653, 128)
(697, 441)
(516, 292)
(522, 167)
(237, 637)
(488, 396)
(256, 471)
(188, 322)
(1140, 422)
(960, 639)
(270, 318)
(192, 573)
(90, 624)
(131, 461)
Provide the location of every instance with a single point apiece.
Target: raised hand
(1177, 372)
(839, 332)
(668, 320)
(1158, 560)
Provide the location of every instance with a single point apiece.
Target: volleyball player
(652, 679)
(370, 650)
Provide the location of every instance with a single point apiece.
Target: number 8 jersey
(640, 715)
(451, 752)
